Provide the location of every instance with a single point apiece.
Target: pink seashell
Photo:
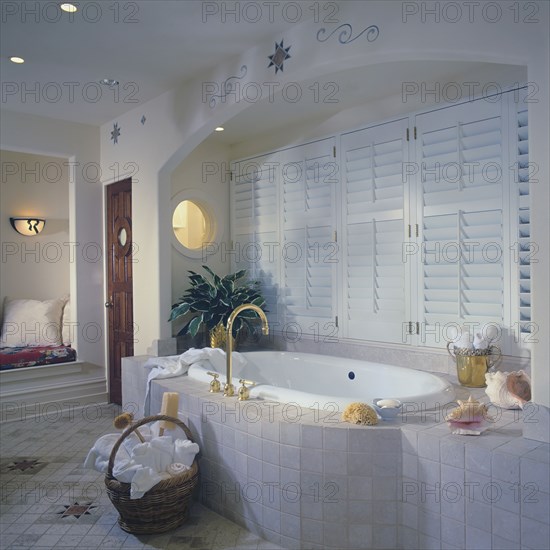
(508, 390)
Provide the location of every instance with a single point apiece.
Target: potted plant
(212, 301)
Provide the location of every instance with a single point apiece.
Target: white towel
(465, 340)
(178, 365)
(177, 468)
(143, 480)
(98, 456)
(157, 454)
(185, 451)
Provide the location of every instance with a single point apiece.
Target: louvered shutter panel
(255, 226)
(525, 245)
(459, 155)
(308, 178)
(373, 207)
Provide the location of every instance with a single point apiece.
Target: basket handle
(137, 425)
(494, 362)
(450, 352)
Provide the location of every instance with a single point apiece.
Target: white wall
(199, 177)
(179, 120)
(79, 145)
(37, 186)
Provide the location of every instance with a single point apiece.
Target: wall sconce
(29, 227)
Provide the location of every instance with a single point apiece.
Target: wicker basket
(165, 506)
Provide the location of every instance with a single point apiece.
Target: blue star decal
(279, 57)
(115, 133)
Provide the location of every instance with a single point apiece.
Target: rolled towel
(177, 468)
(480, 342)
(185, 451)
(465, 340)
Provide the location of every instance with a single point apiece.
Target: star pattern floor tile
(49, 500)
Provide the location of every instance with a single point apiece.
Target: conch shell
(469, 418)
(508, 390)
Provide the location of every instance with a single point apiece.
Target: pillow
(66, 325)
(31, 323)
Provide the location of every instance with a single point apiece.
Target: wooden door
(119, 282)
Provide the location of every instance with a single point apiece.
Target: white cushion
(32, 323)
(66, 325)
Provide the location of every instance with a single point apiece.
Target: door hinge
(336, 321)
(407, 134)
(415, 132)
(334, 151)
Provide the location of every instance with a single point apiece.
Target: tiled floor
(48, 500)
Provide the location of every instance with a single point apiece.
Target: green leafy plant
(212, 301)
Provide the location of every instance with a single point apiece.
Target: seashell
(469, 418)
(360, 413)
(508, 390)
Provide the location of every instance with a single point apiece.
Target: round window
(191, 225)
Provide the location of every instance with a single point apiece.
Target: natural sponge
(360, 413)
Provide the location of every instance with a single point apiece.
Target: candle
(170, 401)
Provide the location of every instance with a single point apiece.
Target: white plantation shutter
(309, 175)
(373, 218)
(525, 246)
(255, 225)
(459, 154)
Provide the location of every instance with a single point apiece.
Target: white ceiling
(170, 42)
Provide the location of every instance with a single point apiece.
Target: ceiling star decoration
(115, 133)
(278, 58)
(23, 465)
(143, 119)
(346, 32)
(76, 510)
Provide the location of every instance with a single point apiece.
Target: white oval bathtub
(311, 380)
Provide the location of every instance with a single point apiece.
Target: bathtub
(313, 381)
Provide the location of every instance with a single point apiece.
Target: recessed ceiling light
(109, 82)
(15, 59)
(220, 129)
(69, 8)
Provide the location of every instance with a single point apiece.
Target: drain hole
(351, 375)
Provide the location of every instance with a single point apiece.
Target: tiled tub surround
(303, 479)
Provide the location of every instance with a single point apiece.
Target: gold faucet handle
(244, 392)
(215, 384)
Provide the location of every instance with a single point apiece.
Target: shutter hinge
(336, 321)
(417, 231)
(410, 232)
(417, 327)
(415, 132)
(335, 236)
(407, 134)
(334, 151)
(230, 176)
(413, 327)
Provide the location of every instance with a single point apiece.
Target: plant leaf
(194, 325)
(179, 310)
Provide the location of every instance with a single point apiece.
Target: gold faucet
(229, 388)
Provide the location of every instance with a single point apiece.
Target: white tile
(506, 525)
(536, 473)
(505, 467)
(534, 534)
(453, 531)
(478, 538)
